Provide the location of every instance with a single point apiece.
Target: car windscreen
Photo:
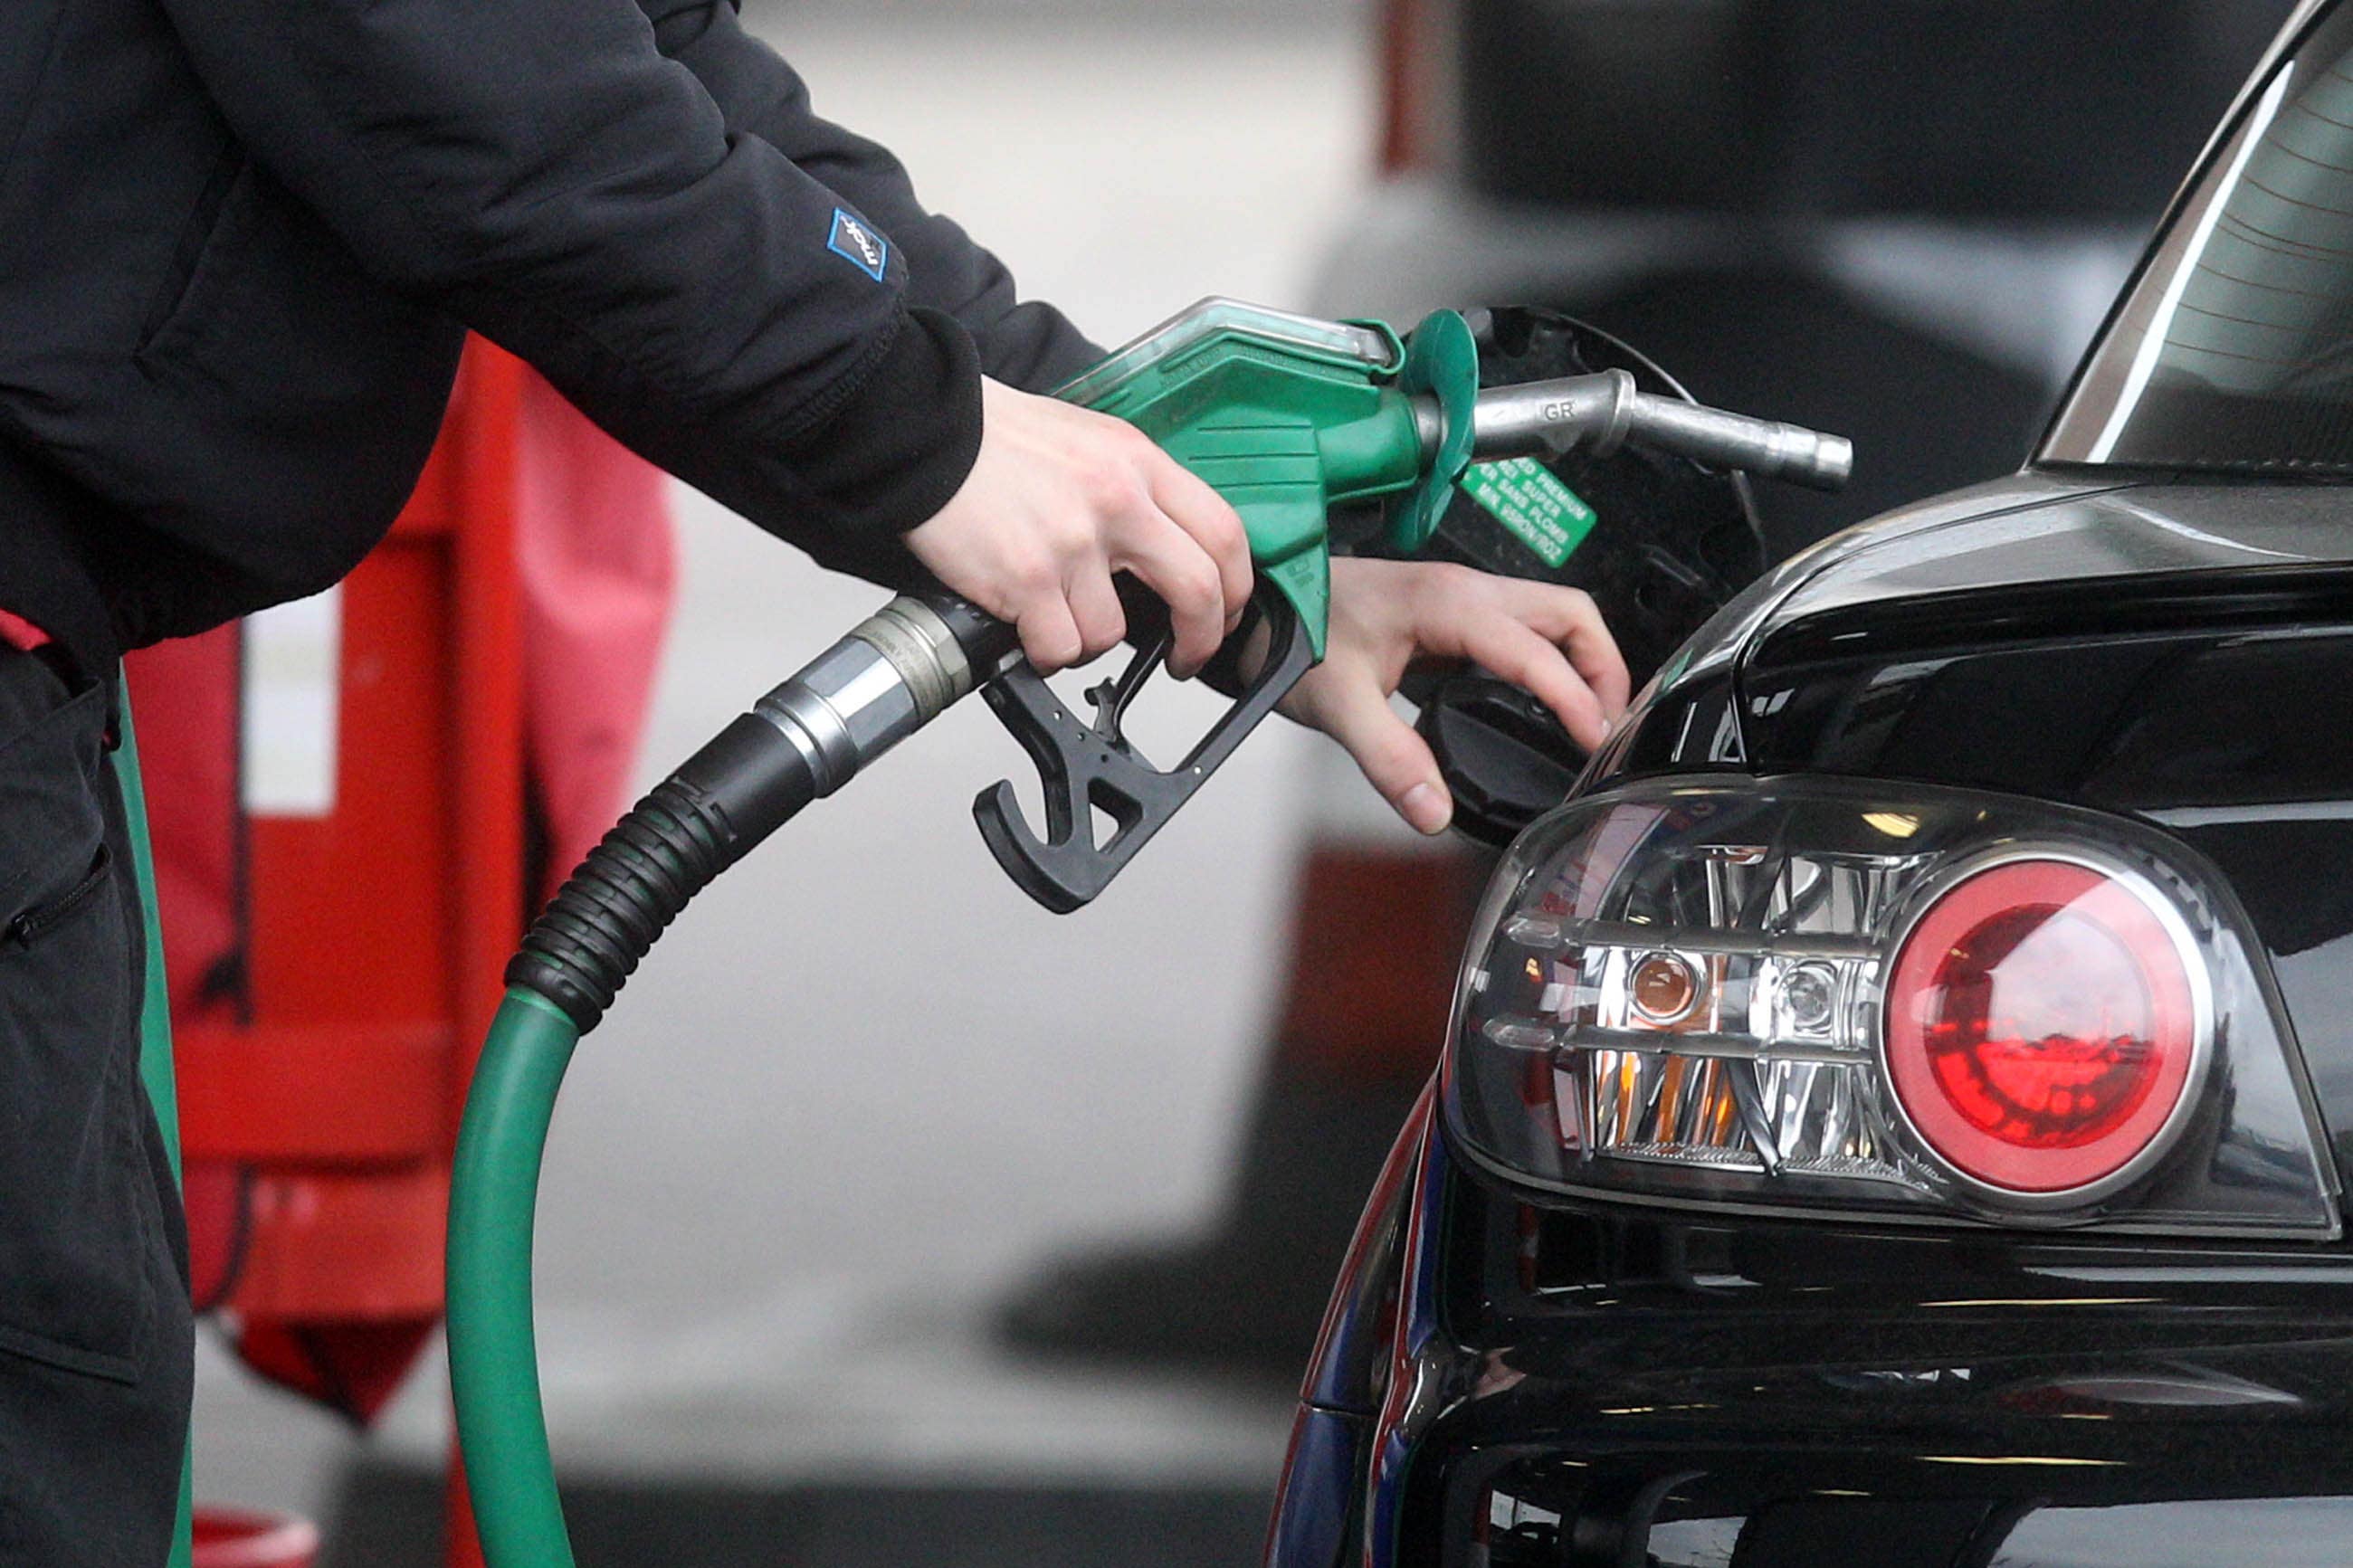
(2234, 350)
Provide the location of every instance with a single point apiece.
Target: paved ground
(704, 1525)
(865, 1082)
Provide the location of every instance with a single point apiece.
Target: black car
(1896, 1108)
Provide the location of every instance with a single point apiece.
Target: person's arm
(536, 168)
(541, 171)
(1027, 344)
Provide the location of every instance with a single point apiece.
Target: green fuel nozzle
(1283, 415)
(1288, 417)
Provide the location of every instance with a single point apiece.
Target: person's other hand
(1061, 498)
(1387, 614)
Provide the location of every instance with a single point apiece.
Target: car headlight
(1888, 1000)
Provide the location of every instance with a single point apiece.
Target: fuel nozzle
(1597, 414)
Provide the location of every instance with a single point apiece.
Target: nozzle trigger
(1086, 768)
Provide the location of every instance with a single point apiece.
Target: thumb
(1395, 760)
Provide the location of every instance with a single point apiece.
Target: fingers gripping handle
(1085, 768)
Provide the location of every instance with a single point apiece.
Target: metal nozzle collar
(924, 650)
(893, 674)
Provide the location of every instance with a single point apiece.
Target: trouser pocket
(74, 1218)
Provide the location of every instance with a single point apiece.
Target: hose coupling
(890, 676)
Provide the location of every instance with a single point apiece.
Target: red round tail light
(2045, 1023)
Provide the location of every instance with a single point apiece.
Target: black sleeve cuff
(1034, 347)
(901, 438)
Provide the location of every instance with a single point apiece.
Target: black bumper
(1570, 1382)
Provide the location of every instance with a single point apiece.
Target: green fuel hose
(889, 677)
(493, 1357)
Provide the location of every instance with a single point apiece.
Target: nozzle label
(1532, 505)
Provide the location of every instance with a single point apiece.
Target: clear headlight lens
(1892, 1000)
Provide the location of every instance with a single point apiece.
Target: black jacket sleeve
(1029, 345)
(541, 171)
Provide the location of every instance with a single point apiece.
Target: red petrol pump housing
(334, 970)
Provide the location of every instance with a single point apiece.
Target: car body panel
(1783, 1392)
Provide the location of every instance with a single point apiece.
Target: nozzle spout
(1765, 448)
(1597, 414)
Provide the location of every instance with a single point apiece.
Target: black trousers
(95, 1336)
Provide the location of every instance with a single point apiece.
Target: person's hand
(1387, 614)
(1061, 498)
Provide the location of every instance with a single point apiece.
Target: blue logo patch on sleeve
(866, 250)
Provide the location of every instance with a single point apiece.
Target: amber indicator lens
(2041, 1026)
(1665, 988)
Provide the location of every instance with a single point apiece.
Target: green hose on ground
(493, 1361)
